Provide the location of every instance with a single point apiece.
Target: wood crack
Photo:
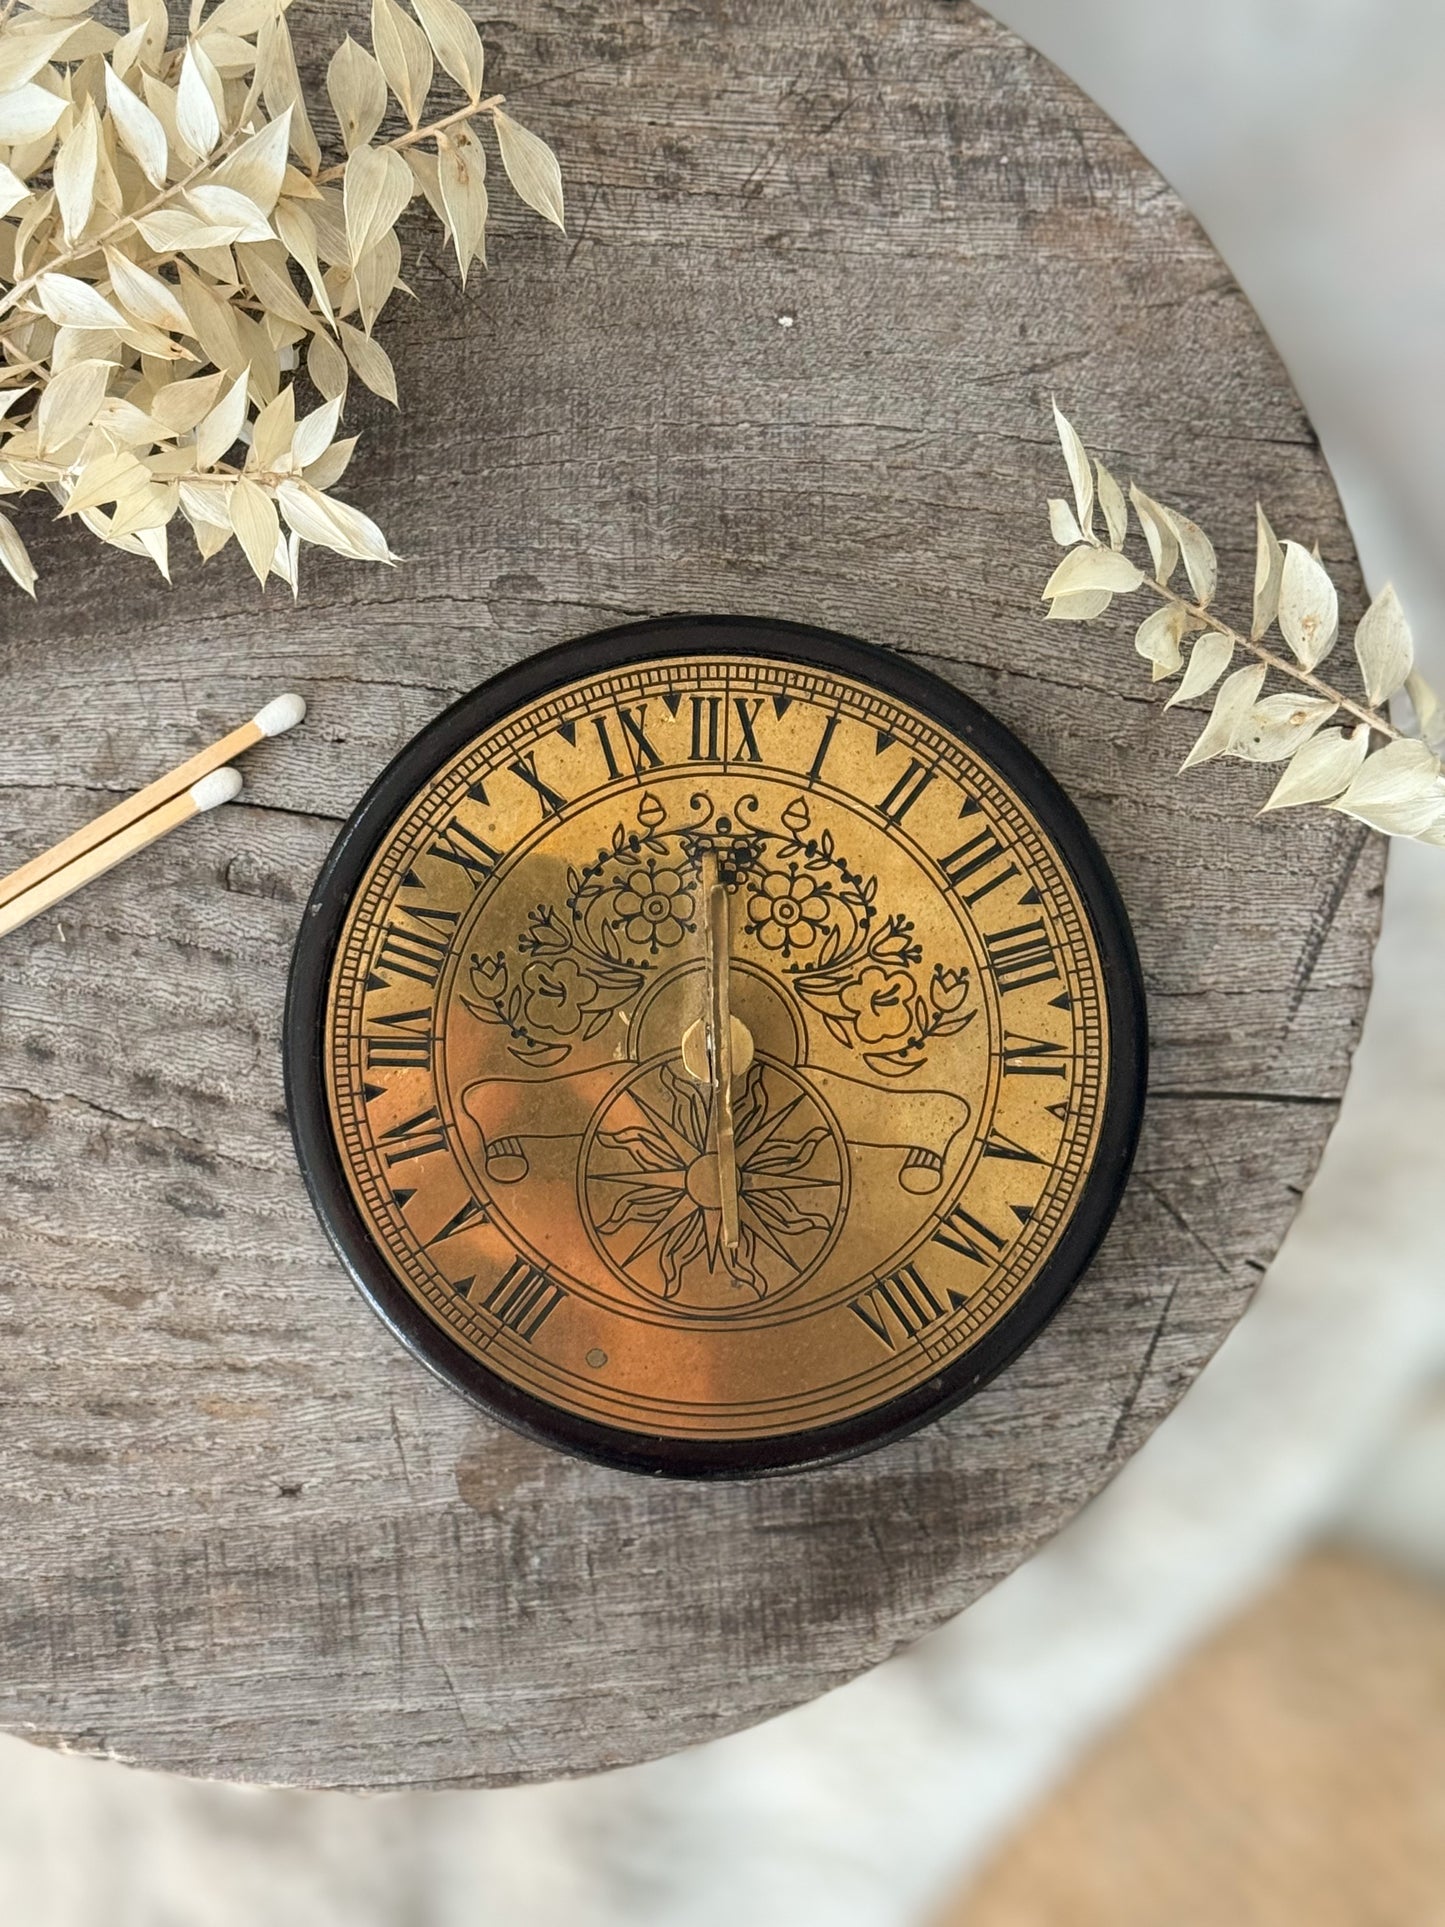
(1311, 1099)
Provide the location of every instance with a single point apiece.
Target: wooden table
(825, 266)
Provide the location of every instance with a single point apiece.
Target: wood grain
(825, 266)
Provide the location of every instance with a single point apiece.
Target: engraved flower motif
(948, 990)
(654, 907)
(558, 995)
(786, 911)
(880, 1002)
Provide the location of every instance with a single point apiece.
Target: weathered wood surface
(825, 267)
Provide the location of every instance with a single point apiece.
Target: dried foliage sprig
(173, 248)
(1370, 768)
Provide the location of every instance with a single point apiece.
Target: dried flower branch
(1386, 776)
(171, 247)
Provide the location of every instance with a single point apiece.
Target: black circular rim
(319, 1156)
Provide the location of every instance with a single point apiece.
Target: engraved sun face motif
(651, 1191)
(717, 1051)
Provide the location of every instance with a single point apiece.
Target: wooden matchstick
(281, 714)
(219, 786)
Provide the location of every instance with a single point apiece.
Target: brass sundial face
(715, 1046)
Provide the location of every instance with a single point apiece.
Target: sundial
(716, 1046)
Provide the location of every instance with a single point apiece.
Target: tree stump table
(793, 358)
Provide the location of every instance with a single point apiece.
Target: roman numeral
(640, 752)
(404, 1046)
(746, 710)
(524, 1299)
(1032, 1057)
(906, 791)
(999, 1146)
(816, 769)
(971, 859)
(463, 847)
(961, 1231)
(415, 1137)
(897, 1309)
(412, 953)
(707, 729)
(1021, 956)
(458, 1222)
(552, 801)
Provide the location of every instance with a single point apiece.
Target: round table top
(794, 359)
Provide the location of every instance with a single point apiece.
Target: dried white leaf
(1268, 576)
(1278, 726)
(77, 162)
(72, 303)
(137, 129)
(405, 55)
(29, 114)
(1084, 605)
(12, 190)
(1158, 527)
(145, 295)
(1081, 470)
(207, 503)
(1384, 646)
(15, 557)
(257, 169)
(1159, 638)
(23, 55)
(1088, 568)
(371, 362)
(332, 525)
(328, 470)
(1325, 767)
(1309, 607)
(1237, 696)
(532, 169)
(220, 430)
(314, 434)
(257, 525)
(198, 120)
(263, 263)
(171, 230)
(298, 234)
(1429, 710)
(327, 367)
(455, 42)
(1201, 564)
(286, 560)
(1208, 660)
(272, 430)
(239, 16)
(376, 276)
(424, 168)
(69, 401)
(461, 176)
(357, 90)
(281, 88)
(1064, 524)
(229, 212)
(378, 184)
(178, 406)
(1116, 509)
(1399, 790)
(108, 478)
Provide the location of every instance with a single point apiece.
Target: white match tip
(280, 714)
(219, 787)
